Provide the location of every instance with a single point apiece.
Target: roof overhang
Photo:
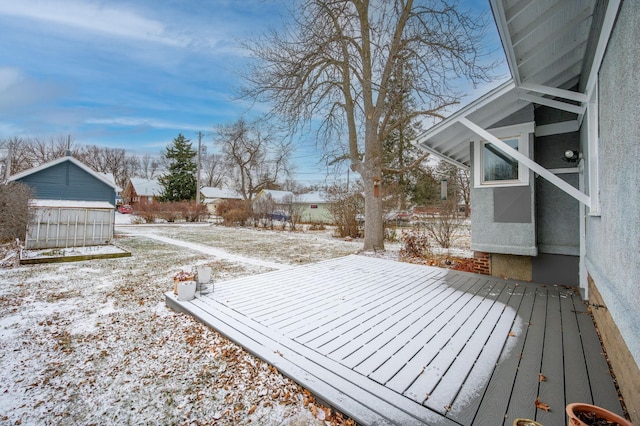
(449, 139)
(554, 50)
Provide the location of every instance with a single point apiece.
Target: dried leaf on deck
(542, 405)
(542, 377)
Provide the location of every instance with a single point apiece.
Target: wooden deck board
(525, 388)
(499, 344)
(551, 386)
(601, 383)
(491, 408)
(391, 343)
(496, 322)
(575, 366)
(398, 373)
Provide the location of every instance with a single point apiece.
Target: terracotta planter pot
(572, 409)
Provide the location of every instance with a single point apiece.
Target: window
(492, 167)
(498, 166)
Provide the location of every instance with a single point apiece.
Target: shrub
(390, 234)
(148, 212)
(169, 211)
(234, 212)
(15, 214)
(317, 226)
(346, 206)
(443, 228)
(190, 211)
(415, 244)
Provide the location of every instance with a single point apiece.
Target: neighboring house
(313, 207)
(214, 197)
(140, 190)
(554, 156)
(270, 202)
(73, 205)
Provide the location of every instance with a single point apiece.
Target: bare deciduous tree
(147, 166)
(213, 170)
(113, 161)
(256, 159)
(334, 63)
(41, 150)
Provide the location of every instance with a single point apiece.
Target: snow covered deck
(386, 342)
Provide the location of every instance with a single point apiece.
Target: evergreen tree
(180, 181)
(403, 161)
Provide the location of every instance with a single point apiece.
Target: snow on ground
(71, 251)
(93, 343)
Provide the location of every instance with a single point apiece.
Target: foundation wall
(624, 366)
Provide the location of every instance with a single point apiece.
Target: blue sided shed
(74, 205)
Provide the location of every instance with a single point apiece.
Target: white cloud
(143, 122)
(93, 17)
(8, 78)
(18, 91)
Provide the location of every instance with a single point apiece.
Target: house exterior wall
(495, 234)
(321, 214)
(66, 181)
(613, 238)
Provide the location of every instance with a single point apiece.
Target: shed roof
(100, 176)
(71, 204)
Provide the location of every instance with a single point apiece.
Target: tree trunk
(372, 176)
(373, 225)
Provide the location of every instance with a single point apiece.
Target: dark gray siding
(67, 181)
(557, 213)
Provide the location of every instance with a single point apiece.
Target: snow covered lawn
(93, 343)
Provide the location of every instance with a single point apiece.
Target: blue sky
(133, 74)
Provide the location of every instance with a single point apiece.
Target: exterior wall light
(571, 156)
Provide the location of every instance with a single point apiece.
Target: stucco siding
(66, 181)
(489, 235)
(613, 239)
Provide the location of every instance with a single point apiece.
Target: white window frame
(520, 132)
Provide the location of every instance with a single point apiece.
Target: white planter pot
(204, 282)
(186, 290)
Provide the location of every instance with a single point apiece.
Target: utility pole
(198, 172)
